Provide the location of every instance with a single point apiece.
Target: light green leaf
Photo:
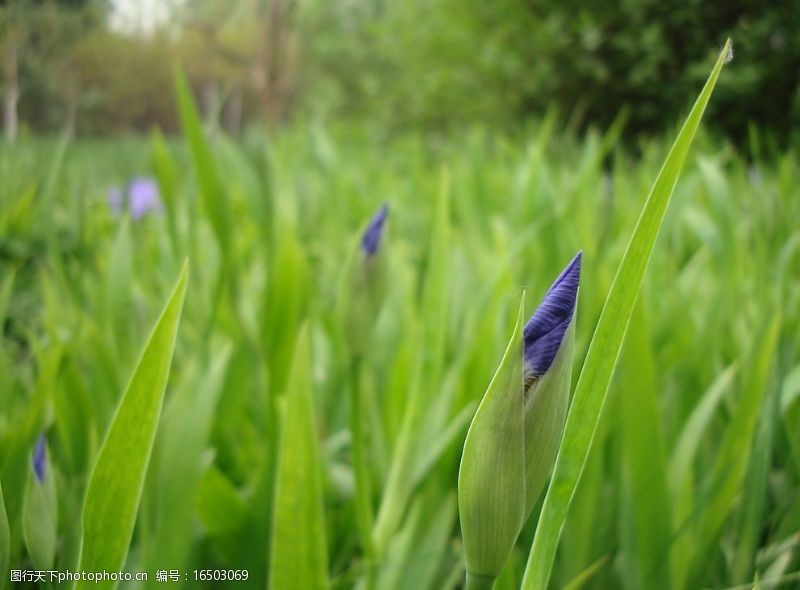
(491, 478)
(605, 346)
(299, 554)
(115, 485)
(5, 542)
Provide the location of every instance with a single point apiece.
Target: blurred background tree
(422, 64)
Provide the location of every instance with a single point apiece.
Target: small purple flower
(40, 457)
(545, 330)
(143, 197)
(371, 240)
(140, 197)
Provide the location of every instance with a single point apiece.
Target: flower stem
(360, 468)
(479, 582)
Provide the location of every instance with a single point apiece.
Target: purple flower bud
(371, 240)
(40, 457)
(143, 197)
(545, 330)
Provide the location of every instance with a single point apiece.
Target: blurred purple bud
(143, 197)
(545, 330)
(371, 240)
(40, 457)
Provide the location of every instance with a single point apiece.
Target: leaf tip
(727, 51)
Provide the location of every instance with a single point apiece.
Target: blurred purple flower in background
(40, 457)
(371, 240)
(140, 197)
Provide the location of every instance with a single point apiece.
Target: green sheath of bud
(491, 479)
(514, 437)
(40, 511)
(360, 296)
(546, 404)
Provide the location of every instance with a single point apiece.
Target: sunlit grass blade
(299, 556)
(605, 346)
(116, 483)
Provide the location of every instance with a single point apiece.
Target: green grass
(696, 449)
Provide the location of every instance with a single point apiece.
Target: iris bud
(40, 509)
(364, 284)
(515, 434)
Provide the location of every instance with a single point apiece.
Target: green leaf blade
(115, 486)
(5, 542)
(605, 347)
(298, 550)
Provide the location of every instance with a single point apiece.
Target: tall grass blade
(730, 466)
(5, 542)
(605, 346)
(211, 189)
(645, 501)
(299, 555)
(116, 483)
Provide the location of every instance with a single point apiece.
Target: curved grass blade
(605, 346)
(115, 486)
(5, 542)
(211, 188)
(299, 555)
(727, 475)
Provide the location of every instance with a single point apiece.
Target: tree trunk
(233, 113)
(209, 99)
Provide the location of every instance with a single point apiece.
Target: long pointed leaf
(299, 554)
(115, 486)
(604, 349)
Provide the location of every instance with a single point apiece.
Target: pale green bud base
(475, 582)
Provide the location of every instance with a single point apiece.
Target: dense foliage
(448, 61)
(696, 466)
(421, 64)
